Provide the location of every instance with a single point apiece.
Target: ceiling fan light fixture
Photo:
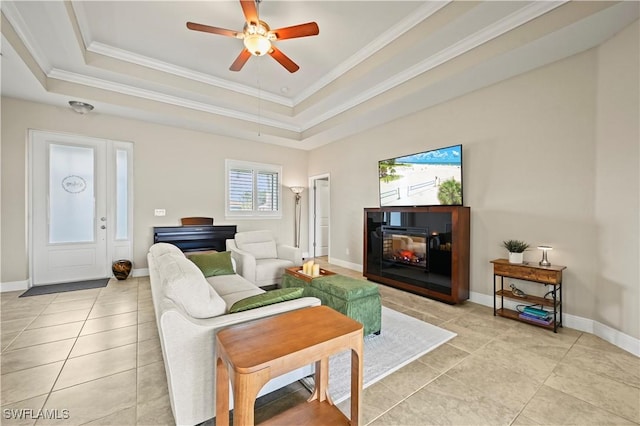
(257, 44)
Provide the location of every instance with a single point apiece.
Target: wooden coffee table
(255, 352)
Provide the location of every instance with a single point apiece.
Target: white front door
(69, 208)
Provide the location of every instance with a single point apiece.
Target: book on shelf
(539, 320)
(540, 313)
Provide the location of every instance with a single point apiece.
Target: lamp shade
(297, 189)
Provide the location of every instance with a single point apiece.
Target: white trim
(311, 207)
(145, 61)
(14, 286)
(349, 265)
(586, 325)
(255, 168)
(21, 28)
(609, 334)
(140, 272)
(152, 95)
(504, 25)
(422, 13)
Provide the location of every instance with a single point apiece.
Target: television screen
(424, 179)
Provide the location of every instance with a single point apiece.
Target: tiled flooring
(93, 357)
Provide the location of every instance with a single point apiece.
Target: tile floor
(93, 357)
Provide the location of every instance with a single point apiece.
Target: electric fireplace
(424, 250)
(405, 246)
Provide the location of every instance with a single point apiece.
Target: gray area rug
(63, 287)
(403, 340)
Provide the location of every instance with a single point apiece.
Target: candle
(316, 270)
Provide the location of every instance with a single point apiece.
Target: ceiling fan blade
(302, 30)
(212, 30)
(283, 59)
(242, 59)
(250, 10)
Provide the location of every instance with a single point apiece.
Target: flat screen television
(426, 178)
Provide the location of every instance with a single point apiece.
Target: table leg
(222, 393)
(245, 392)
(356, 382)
(321, 379)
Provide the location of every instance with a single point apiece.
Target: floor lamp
(297, 190)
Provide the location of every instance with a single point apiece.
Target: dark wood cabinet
(195, 238)
(424, 250)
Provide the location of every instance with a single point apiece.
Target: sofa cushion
(261, 244)
(267, 298)
(213, 263)
(186, 286)
(229, 284)
(160, 249)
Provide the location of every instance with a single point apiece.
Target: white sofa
(260, 258)
(190, 309)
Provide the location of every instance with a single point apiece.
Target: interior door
(69, 208)
(322, 217)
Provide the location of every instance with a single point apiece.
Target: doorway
(319, 216)
(81, 206)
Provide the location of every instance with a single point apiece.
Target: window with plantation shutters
(253, 189)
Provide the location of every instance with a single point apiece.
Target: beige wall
(534, 162)
(178, 170)
(617, 214)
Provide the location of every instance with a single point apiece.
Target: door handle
(103, 227)
(104, 219)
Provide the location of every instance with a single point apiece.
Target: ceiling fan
(258, 38)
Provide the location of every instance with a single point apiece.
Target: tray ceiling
(371, 63)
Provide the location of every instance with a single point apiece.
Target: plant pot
(516, 257)
(121, 269)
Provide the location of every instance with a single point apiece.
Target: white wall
(178, 170)
(532, 157)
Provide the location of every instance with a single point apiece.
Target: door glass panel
(122, 196)
(71, 194)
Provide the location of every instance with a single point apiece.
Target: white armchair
(260, 259)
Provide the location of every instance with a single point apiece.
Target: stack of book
(539, 316)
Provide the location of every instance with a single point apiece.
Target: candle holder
(544, 261)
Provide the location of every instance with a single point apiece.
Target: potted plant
(515, 248)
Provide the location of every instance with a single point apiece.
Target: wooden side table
(529, 271)
(253, 353)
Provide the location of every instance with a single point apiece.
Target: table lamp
(544, 261)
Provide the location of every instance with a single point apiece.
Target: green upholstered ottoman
(357, 299)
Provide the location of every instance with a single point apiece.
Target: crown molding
(22, 30)
(379, 43)
(502, 26)
(125, 89)
(145, 61)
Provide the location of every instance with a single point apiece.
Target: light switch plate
(159, 212)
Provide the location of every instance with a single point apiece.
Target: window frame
(255, 168)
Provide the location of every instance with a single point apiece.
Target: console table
(195, 237)
(528, 271)
(255, 352)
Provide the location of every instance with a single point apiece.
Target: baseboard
(609, 334)
(142, 272)
(14, 286)
(354, 266)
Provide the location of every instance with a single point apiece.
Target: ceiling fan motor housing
(256, 38)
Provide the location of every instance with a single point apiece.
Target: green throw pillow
(213, 263)
(267, 298)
